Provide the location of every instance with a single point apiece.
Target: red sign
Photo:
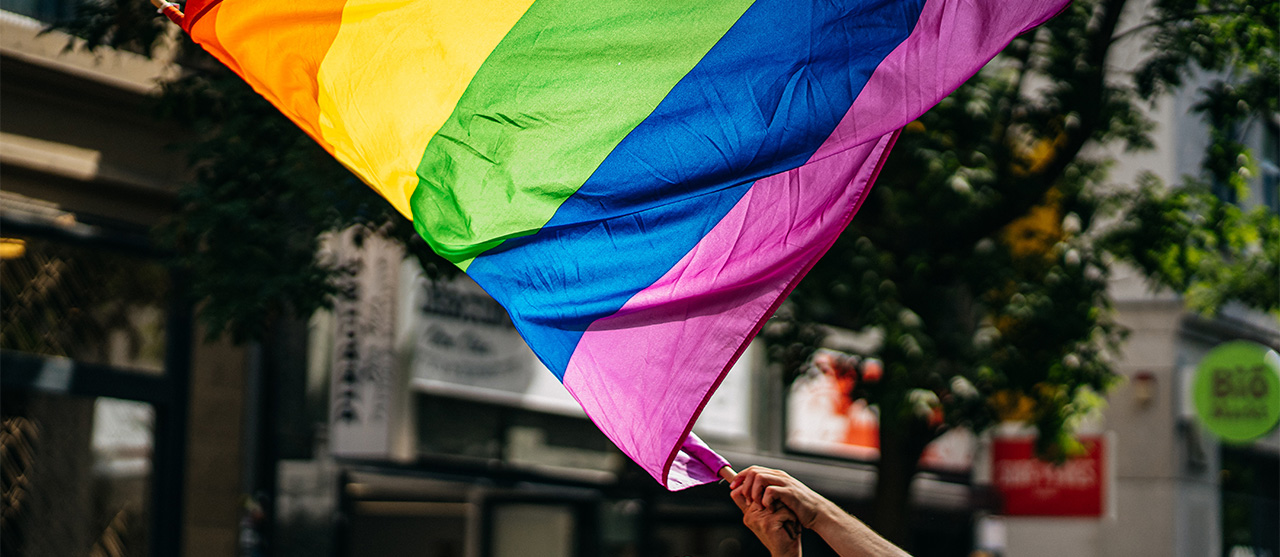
(1033, 487)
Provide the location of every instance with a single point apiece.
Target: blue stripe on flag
(761, 102)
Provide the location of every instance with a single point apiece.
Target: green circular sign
(1237, 391)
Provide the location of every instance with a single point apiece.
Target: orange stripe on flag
(202, 31)
(245, 35)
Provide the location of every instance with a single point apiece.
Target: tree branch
(1029, 191)
(1180, 17)
(1015, 91)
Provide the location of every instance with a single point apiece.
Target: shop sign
(365, 382)
(465, 346)
(1236, 391)
(1033, 487)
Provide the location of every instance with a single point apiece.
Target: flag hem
(189, 19)
(795, 281)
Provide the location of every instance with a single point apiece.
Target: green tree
(982, 254)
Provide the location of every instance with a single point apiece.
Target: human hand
(777, 527)
(768, 487)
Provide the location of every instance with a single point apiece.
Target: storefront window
(1250, 503)
(76, 475)
(86, 303)
(521, 529)
(417, 528)
(517, 436)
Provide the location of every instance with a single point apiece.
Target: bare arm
(850, 537)
(847, 535)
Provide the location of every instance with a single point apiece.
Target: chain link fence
(76, 475)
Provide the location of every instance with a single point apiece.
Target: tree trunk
(900, 451)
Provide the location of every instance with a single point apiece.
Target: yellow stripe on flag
(392, 77)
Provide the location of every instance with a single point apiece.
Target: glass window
(526, 529)
(1250, 502)
(515, 435)
(76, 475)
(408, 528)
(391, 516)
(86, 303)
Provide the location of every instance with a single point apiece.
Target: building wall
(212, 507)
(77, 128)
(77, 134)
(1146, 473)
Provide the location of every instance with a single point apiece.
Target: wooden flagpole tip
(169, 9)
(727, 474)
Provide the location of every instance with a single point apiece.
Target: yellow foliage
(1035, 233)
(1012, 406)
(1034, 155)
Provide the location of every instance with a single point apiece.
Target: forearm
(844, 533)
(849, 537)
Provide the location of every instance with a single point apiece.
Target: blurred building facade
(412, 420)
(121, 423)
(445, 436)
(1172, 487)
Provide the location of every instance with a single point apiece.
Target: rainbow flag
(639, 182)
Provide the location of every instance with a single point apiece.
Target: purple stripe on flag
(702, 313)
(951, 41)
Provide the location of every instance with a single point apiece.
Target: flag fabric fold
(639, 184)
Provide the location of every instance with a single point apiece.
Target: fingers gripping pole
(169, 9)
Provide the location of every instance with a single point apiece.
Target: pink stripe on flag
(702, 313)
(951, 41)
(699, 317)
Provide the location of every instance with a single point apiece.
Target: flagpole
(173, 11)
(727, 474)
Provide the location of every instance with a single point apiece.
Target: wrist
(827, 517)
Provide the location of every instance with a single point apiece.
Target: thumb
(779, 494)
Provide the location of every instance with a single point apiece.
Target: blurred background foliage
(982, 256)
(262, 194)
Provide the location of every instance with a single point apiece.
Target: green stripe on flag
(563, 88)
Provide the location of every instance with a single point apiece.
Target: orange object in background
(864, 426)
